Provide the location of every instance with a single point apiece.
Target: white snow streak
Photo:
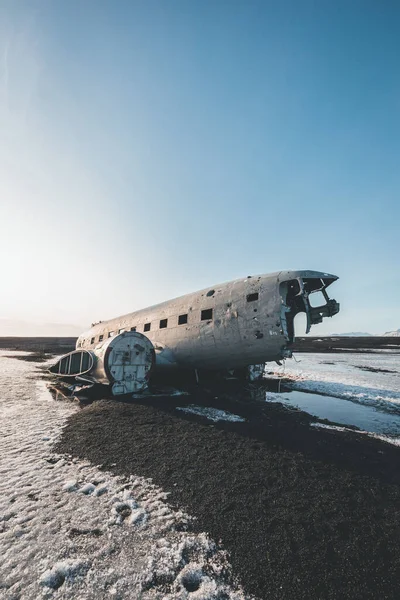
(384, 438)
(213, 414)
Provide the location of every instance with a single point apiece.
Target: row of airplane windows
(206, 315)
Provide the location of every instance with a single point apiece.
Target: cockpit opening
(309, 296)
(300, 324)
(316, 299)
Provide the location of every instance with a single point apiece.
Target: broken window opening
(252, 297)
(111, 333)
(182, 319)
(92, 340)
(72, 364)
(101, 338)
(295, 297)
(133, 328)
(147, 327)
(206, 314)
(163, 323)
(75, 363)
(64, 365)
(317, 299)
(299, 324)
(314, 285)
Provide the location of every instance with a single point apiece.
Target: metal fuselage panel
(241, 331)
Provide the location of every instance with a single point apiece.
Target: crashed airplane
(230, 326)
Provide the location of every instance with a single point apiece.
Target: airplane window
(133, 328)
(163, 323)
(252, 297)
(101, 337)
(210, 293)
(64, 365)
(206, 314)
(111, 333)
(122, 330)
(75, 363)
(85, 361)
(92, 340)
(182, 319)
(317, 299)
(147, 327)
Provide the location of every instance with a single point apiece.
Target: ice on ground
(127, 510)
(56, 576)
(69, 530)
(70, 486)
(346, 376)
(384, 438)
(88, 488)
(213, 414)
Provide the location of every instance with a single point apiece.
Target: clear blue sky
(149, 149)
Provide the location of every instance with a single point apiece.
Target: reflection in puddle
(340, 411)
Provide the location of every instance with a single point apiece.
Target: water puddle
(341, 411)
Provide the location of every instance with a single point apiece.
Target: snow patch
(127, 511)
(56, 576)
(67, 526)
(70, 486)
(395, 333)
(87, 489)
(213, 414)
(384, 438)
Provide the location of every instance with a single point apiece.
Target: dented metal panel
(252, 321)
(124, 362)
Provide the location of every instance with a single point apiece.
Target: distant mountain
(11, 327)
(392, 333)
(352, 334)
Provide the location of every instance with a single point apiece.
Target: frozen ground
(393, 440)
(69, 530)
(213, 414)
(361, 389)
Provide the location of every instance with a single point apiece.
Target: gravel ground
(303, 512)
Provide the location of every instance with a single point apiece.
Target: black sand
(346, 344)
(62, 345)
(44, 345)
(304, 513)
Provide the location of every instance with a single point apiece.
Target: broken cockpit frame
(295, 294)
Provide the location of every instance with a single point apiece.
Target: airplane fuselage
(243, 322)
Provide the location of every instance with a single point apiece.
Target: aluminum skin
(231, 325)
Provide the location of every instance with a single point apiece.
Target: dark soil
(63, 345)
(50, 345)
(374, 369)
(303, 513)
(33, 357)
(346, 344)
